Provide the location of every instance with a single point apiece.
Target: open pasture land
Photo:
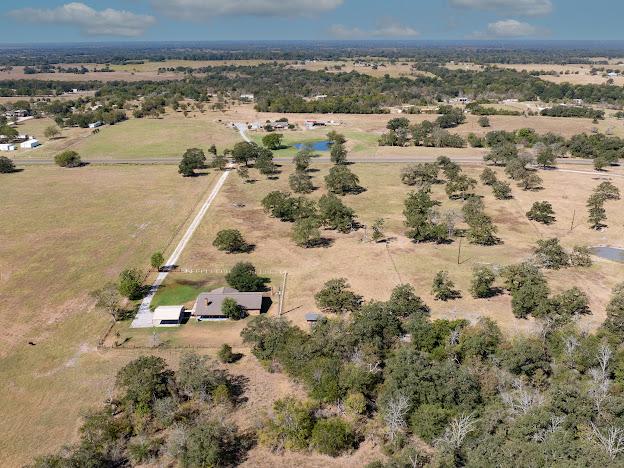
(374, 269)
(66, 232)
(165, 137)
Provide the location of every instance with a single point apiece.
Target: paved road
(143, 318)
(287, 160)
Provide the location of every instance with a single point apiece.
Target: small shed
(312, 318)
(31, 143)
(7, 147)
(168, 316)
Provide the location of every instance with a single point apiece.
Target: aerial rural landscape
(312, 234)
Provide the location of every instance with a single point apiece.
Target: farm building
(208, 305)
(7, 147)
(31, 143)
(168, 316)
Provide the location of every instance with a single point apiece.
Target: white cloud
(203, 9)
(511, 28)
(91, 22)
(518, 7)
(386, 28)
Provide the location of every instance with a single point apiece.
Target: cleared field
(374, 269)
(65, 233)
(168, 136)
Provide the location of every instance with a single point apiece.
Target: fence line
(224, 271)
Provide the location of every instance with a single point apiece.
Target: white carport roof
(167, 313)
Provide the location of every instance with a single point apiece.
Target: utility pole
(459, 251)
(281, 293)
(573, 218)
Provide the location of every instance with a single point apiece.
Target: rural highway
(288, 160)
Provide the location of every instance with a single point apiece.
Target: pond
(315, 145)
(609, 253)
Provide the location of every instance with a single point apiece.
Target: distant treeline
(279, 88)
(469, 51)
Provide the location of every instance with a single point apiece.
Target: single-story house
(208, 305)
(247, 97)
(31, 143)
(279, 125)
(16, 113)
(168, 316)
(95, 124)
(7, 147)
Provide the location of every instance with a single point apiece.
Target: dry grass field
(165, 137)
(371, 267)
(64, 233)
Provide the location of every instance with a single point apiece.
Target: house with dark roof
(208, 305)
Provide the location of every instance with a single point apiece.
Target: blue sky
(105, 20)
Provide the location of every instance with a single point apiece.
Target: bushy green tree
(550, 254)
(306, 232)
(192, 159)
(615, 311)
(342, 181)
(232, 310)
(209, 444)
(273, 141)
(542, 212)
(502, 190)
(243, 277)
(6, 165)
(443, 289)
(336, 297)
(334, 214)
(68, 158)
(419, 218)
(338, 153)
(421, 175)
(225, 354)
(528, 287)
(300, 182)
(130, 283)
(145, 379)
(230, 241)
(405, 303)
(488, 176)
(482, 280)
(157, 260)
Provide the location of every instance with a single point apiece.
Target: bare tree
(612, 441)
(599, 389)
(570, 344)
(554, 426)
(395, 413)
(109, 299)
(521, 398)
(456, 432)
(604, 356)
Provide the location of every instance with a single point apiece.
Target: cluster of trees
(477, 398)
(516, 165)
(477, 108)
(156, 415)
(597, 214)
(330, 212)
(430, 134)
(574, 111)
(422, 218)
(500, 189)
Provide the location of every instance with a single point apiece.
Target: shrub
(550, 254)
(68, 158)
(355, 403)
(332, 436)
(581, 257)
(225, 354)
